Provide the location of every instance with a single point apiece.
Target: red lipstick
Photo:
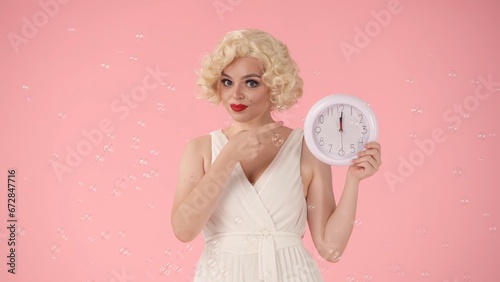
(238, 107)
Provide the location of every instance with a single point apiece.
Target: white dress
(255, 232)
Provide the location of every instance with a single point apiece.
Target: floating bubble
(492, 228)
(457, 171)
(416, 110)
(358, 222)
(311, 207)
(466, 115)
(53, 159)
(120, 234)
(315, 72)
(452, 73)
(154, 152)
(160, 107)
(25, 87)
(424, 274)
(464, 201)
(151, 205)
(139, 35)
(86, 217)
(141, 161)
(125, 251)
(413, 135)
(55, 248)
(165, 270)
(170, 88)
(481, 135)
(277, 140)
(237, 219)
(71, 29)
(453, 128)
(61, 115)
(104, 235)
(146, 175)
(486, 214)
(445, 245)
(92, 188)
(117, 192)
(60, 230)
(108, 148)
(154, 172)
(136, 139)
(99, 158)
(110, 136)
(474, 81)
(351, 278)
(133, 58)
(105, 65)
(421, 230)
(91, 239)
(368, 277)
(20, 231)
(211, 262)
(167, 252)
(410, 80)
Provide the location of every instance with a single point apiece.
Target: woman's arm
(331, 226)
(200, 184)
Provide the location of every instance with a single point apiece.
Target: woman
(251, 187)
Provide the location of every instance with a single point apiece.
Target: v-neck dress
(255, 232)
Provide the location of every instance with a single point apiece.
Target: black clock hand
(341, 130)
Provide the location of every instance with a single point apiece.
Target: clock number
(317, 129)
(353, 149)
(341, 152)
(340, 107)
(363, 131)
(360, 140)
(329, 111)
(360, 118)
(321, 141)
(321, 119)
(351, 110)
(331, 146)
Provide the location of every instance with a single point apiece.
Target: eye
(226, 82)
(252, 83)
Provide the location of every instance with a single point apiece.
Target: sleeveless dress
(255, 232)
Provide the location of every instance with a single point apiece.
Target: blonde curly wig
(281, 73)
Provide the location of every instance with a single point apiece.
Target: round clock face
(337, 127)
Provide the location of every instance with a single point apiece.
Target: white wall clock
(337, 127)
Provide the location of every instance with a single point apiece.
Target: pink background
(430, 214)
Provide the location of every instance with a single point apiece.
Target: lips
(238, 107)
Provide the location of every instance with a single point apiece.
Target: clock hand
(341, 130)
(341, 133)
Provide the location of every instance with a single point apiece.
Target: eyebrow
(243, 77)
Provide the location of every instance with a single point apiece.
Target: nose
(237, 92)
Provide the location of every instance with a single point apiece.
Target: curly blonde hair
(281, 73)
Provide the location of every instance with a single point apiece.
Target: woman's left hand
(367, 162)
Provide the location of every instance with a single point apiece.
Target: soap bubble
(277, 140)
